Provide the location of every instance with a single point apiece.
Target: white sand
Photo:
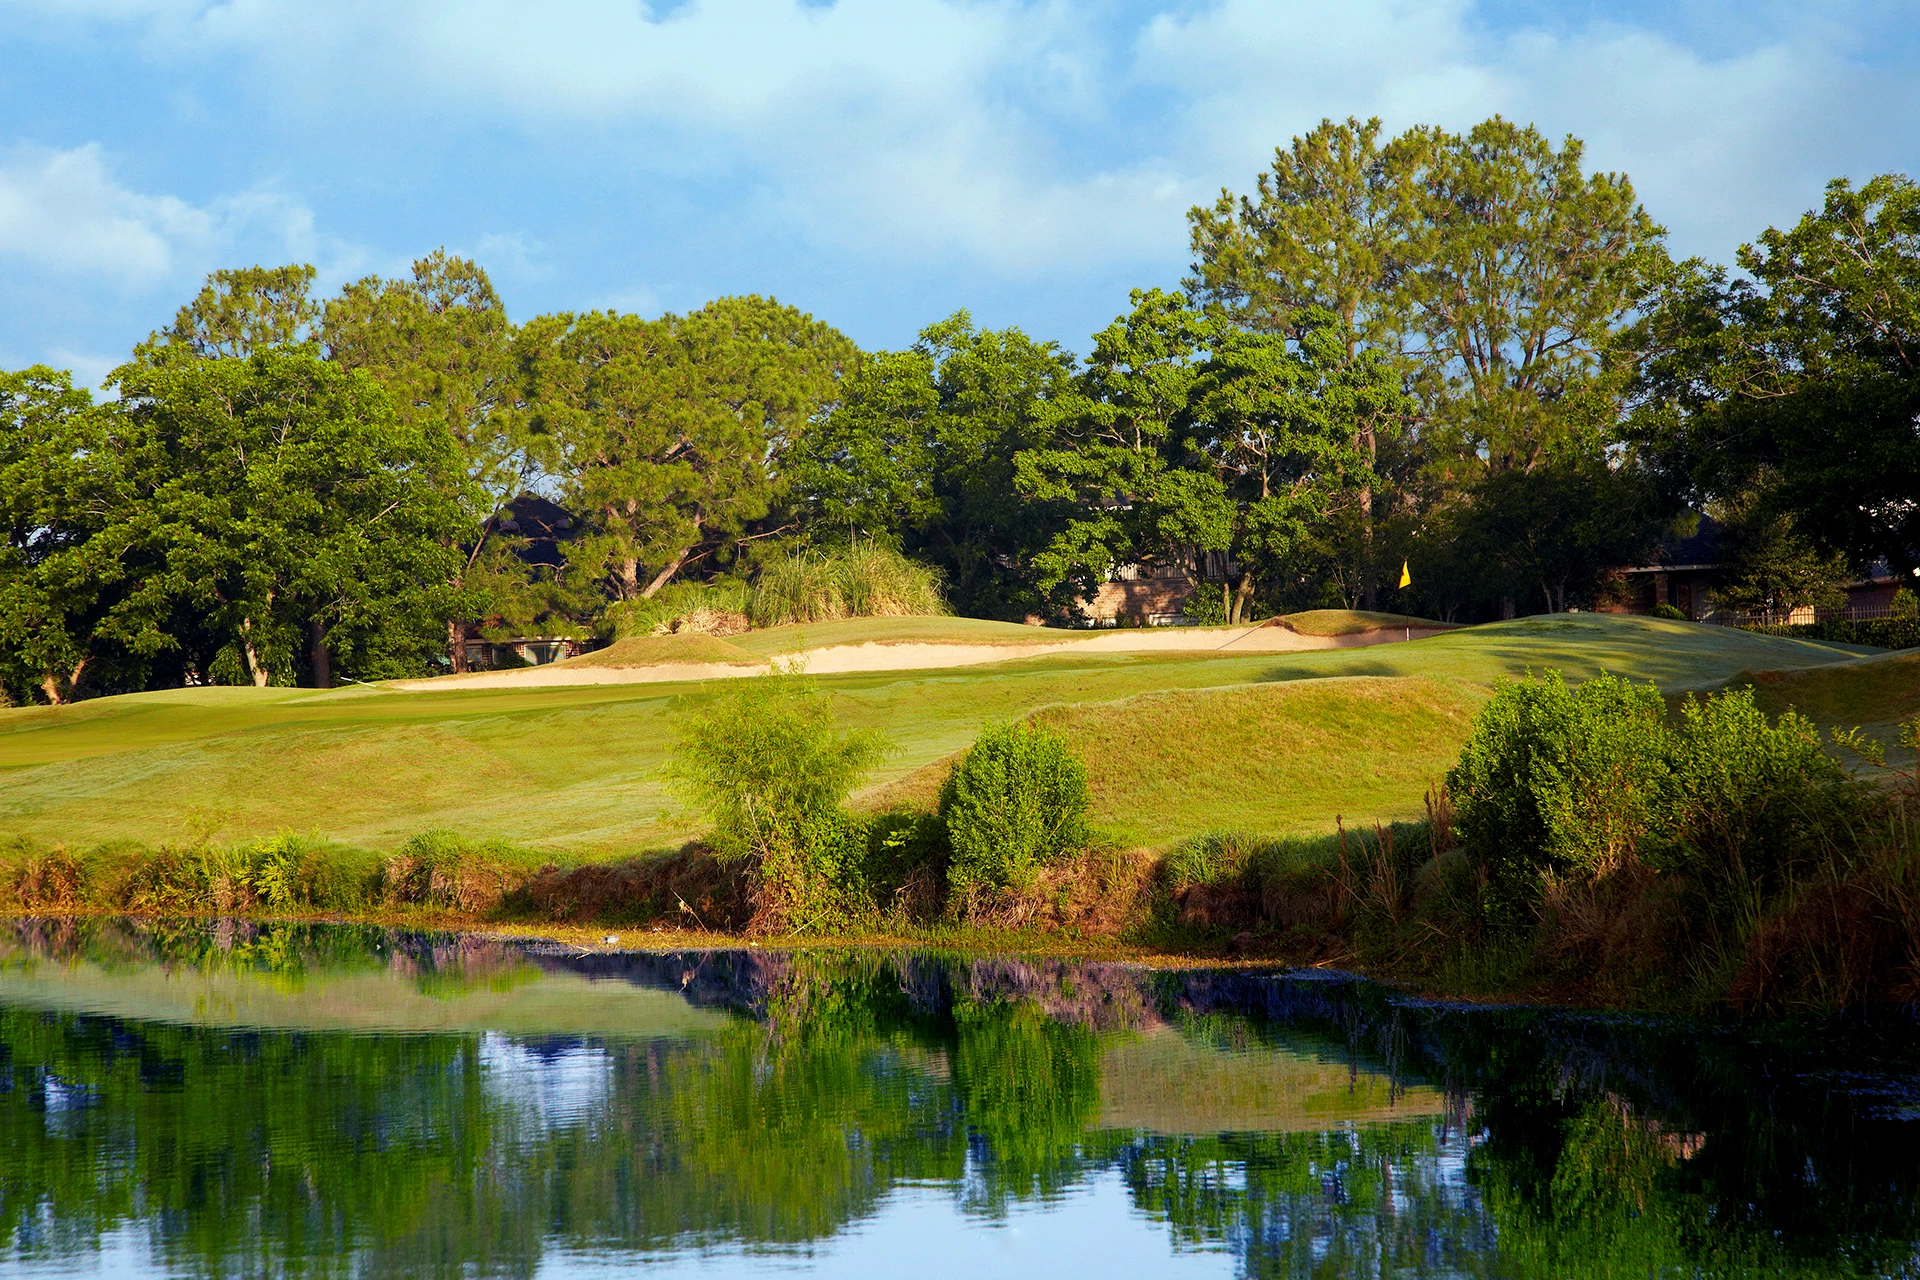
(844, 658)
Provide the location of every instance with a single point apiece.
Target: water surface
(224, 1099)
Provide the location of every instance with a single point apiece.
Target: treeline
(1459, 352)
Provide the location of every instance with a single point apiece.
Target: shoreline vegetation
(1593, 842)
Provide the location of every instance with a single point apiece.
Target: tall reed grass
(864, 580)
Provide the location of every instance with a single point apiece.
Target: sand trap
(849, 658)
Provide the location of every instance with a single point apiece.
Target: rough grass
(653, 651)
(579, 769)
(1874, 693)
(1279, 758)
(1353, 622)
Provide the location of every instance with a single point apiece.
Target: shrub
(763, 761)
(46, 878)
(1204, 608)
(1014, 803)
(1905, 604)
(1750, 797)
(1556, 781)
(1669, 612)
(865, 580)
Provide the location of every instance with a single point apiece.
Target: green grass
(1278, 758)
(653, 651)
(578, 770)
(799, 636)
(1352, 622)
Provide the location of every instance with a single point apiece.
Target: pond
(229, 1099)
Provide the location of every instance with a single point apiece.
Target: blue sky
(877, 162)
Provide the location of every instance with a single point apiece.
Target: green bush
(1750, 797)
(763, 761)
(1557, 782)
(1204, 608)
(1883, 633)
(1014, 803)
(1669, 612)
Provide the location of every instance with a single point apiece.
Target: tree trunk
(51, 687)
(317, 651)
(1370, 586)
(627, 579)
(1506, 608)
(258, 672)
(665, 576)
(1242, 598)
(456, 646)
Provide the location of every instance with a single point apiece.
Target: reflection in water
(228, 1099)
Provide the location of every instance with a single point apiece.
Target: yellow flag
(1406, 578)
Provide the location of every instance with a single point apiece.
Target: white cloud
(64, 214)
(1023, 140)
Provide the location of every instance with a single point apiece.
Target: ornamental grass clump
(763, 761)
(864, 580)
(1015, 804)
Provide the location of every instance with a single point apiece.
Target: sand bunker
(846, 658)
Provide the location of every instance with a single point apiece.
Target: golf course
(1177, 741)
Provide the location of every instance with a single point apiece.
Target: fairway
(1176, 742)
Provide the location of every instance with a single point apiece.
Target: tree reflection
(1301, 1127)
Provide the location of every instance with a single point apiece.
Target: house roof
(543, 524)
(1698, 550)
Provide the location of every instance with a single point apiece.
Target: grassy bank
(1269, 806)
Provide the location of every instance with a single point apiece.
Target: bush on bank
(1014, 805)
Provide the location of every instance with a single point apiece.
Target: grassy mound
(939, 629)
(653, 651)
(1353, 622)
(1275, 757)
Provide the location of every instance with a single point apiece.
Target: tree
(1116, 453)
(238, 312)
(1801, 385)
(1274, 421)
(1332, 230)
(1521, 271)
(945, 422)
(668, 434)
(281, 499)
(1188, 436)
(1769, 565)
(1561, 528)
(868, 467)
(1486, 270)
(442, 345)
(57, 493)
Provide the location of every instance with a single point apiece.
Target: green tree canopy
(1800, 385)
(667, 435)
(283, 502)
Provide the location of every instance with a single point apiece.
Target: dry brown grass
(688, 887)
